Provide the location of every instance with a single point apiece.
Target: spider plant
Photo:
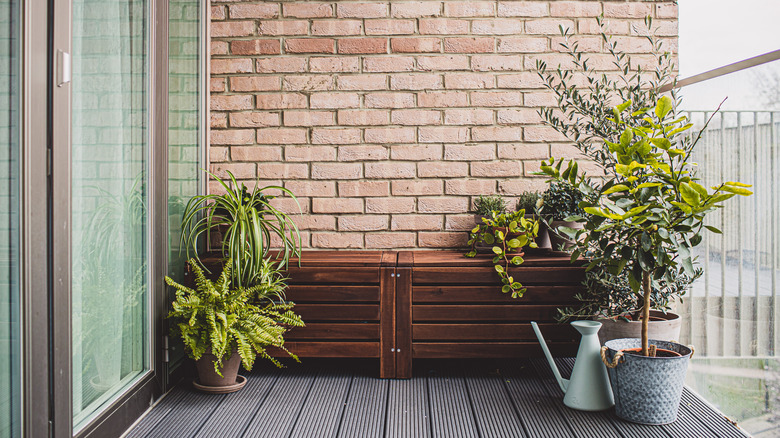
(250, 223)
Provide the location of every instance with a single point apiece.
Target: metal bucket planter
(647, 389)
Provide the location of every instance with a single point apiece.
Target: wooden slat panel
(488, 312)
(489, 294)
(335, 293)
(456, 258)
(403, 337)
(476, 350)
(329, 349)
(334, 275)
(334, 331)
(491, 332)
(338, 312)
(483, 276)
(311, 258)
(387, 324)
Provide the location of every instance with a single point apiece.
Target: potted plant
(651, 197)
(506, 234)
(528, 201)
(248, 221)
(559, 204)
(223, 326)
(485, 205)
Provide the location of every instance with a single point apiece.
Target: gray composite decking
(479, 399)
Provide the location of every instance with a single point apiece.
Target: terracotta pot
(663, 327)
(208, 377)
(559, 241)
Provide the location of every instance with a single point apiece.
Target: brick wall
(388, 118)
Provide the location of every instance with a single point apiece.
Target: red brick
(496, 63)
(308, 83)
(497, 26)
(361, 10)
(363, 82)
(282, 171)
(389, 135)
(226, 103)
(630, 44)
(239, 170)
(542, 134)
(281, 135)
(590, 26)
(289, 205)
(317, 222)
(443, 204)
(388, 64)
(416, 152)
(522, 9)
(334, 100)
(472, 187)
(255, 47)
(416, 81)
(468, 117)
(254, 83)
(468, 45)
(627, 10)
(389, 205)
(415, 45)
(232, 28)
(390, 170)
(281, 101)
(443, 134)
(362, 153)
(524, 151)
(666, 10)
(520, 80)
(336, 170)
(417, 188)
(283, 27)
(469, 9)
(522, 44)
(518, 116)
(389, 27)
(416, 117)
(218, 120)
(442, 99)
(459, 222)
(310, 45)
(337, 27)
(219, 48)
(220, 154)
(254, 119)
(310, 153)
(443, 62)
(469, 81)
(496, 169)
(232, 136)
(262, 10)
(363, 117)
(281, 65)
(255, 153)
(416, 222)
(496, 133)
(547, 26)
(443, 26)
(364, 188)
(335, 136)
(334, 64)
(546, 99)
(517, 186)
(337, 240)
(390, 240)
(442, 240)
(363, 223)
(337, 205)
(496, 98)
(362, 45)
(218, 13)
(586, 43)
(235, 65)
(307, 10)
(217, 85)
(389, 100)
(577, 9)
(475, 152)
(308, 118)
(442, 169)
(415, 9)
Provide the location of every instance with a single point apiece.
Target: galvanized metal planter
(647, 389)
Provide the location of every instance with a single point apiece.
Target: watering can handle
(615, 360)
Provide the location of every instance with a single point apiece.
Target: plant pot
(663, 326)
(647, 389)
(208, 377)
(543, 237)
(559, 241)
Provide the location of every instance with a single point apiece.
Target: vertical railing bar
(706, 298)
(773, 206)
(756, 243)
(739, 308)
(722, 135)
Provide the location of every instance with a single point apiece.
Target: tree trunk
(646, 311)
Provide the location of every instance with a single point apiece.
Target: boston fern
(214, 317)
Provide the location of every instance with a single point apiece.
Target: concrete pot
(647, 390)
(665, 327)
(210, 381)
(559, 241)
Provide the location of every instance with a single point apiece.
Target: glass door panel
(109, 202)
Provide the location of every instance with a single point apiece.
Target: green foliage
(527, 201)
(251, 223)
(486, 205)
(216, 318)
(561, 200)
(508, 233)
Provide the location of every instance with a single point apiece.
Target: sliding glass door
(110, 202)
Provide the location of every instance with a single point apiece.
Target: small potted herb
(485, 205)
(558, 207)
(528, 201)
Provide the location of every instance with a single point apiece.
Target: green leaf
(647, 242)
(517, 260)
(689, 195)
(497, 250)
(663, 107)
(506, 288)
(713, 229)
(499, 269)
(700, 189)
(626, 137)
(616, 188)
(513, 243)
(736, 190)
(661, 143)
(738, 184)
(595, 211)
(622, 107)
(688, 266)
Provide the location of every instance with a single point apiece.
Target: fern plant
(213, 317)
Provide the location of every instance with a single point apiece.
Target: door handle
(64, 74)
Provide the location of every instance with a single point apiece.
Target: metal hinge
(166, 359)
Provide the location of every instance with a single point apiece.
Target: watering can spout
(563, 383)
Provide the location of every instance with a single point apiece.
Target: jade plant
(506, 234)
(651, 199)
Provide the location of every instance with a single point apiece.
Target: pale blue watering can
(588, 389)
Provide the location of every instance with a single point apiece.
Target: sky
(714, 33)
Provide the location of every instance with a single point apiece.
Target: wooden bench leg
(387, 286)
(403, 340)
